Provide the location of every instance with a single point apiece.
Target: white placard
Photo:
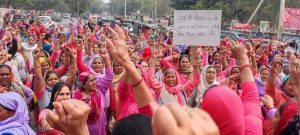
(264, 26)
(197, 27)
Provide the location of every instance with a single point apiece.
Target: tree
(97, 7)
(182, 4)
(163, 8)
(83, 5)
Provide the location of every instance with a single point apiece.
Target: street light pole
(280, 28)
(155, 11)
(125, 9)
(77, 8)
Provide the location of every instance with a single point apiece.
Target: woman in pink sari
(171, 90)
(219, 101)
(184, 68)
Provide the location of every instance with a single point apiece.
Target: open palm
(117, 45)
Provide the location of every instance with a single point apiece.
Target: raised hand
(55, 48)
(117, 46)
(267, 101)
(36, 53)
(295, 75)
(103, 54)
(276, 62)
(73, 54)
(238, 51)
(176, 120)
(70, 116)
(194, 56)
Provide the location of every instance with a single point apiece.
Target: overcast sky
(106, 1)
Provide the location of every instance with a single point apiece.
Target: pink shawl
(228, 114)
(176, 90)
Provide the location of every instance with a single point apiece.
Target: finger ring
(189, 110)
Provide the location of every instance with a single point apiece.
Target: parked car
(18, 17)
(47, 21)
(66, 15)
(73, 15)
(234, 35)
(57, 18)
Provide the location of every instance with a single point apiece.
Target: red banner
(242, 26)
(291, 19)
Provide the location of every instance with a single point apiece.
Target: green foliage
(238, 9)
(83, 5)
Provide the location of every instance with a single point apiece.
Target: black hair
(5, 66)
(48, 73)
(135, 124)
(214, 53)
(140, 62)
(60, 34)
(292, 127)
(47, 36)
(31, 36)
(46, 53)
(184, 55)
(56, 89)
(282, 107)
(79, 37)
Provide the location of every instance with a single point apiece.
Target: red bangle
(273, 71)
(242, 67)
(139, 82)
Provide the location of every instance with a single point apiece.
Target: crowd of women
(102, 80)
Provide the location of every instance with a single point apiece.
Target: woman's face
(90, 84)
(45, 66)
(31, 41)
(288, 54)
(185, 63)
(42, 54)
(157, 66)
(134, 57)
(63, 57)
(64, 94)
(97, 65)
(131, 48)
(170, 79)
(17, 30)
(60, 39)
(5, 77)
(2, 55)
(7, 35)
(262, 67)
(52, 80)
(288, 88)
(118, 69)
(236, 72)
(95, 48)
(217, 66)
(145, 65)
(264, 75)
(5, 114)
(216, 57)
(210, 75)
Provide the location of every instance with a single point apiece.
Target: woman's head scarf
(82, 78)
(226, 109)
(288, 113)
(174, 89)
(117, 77)
(17, 124)
(90, 63)
(204, 86)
